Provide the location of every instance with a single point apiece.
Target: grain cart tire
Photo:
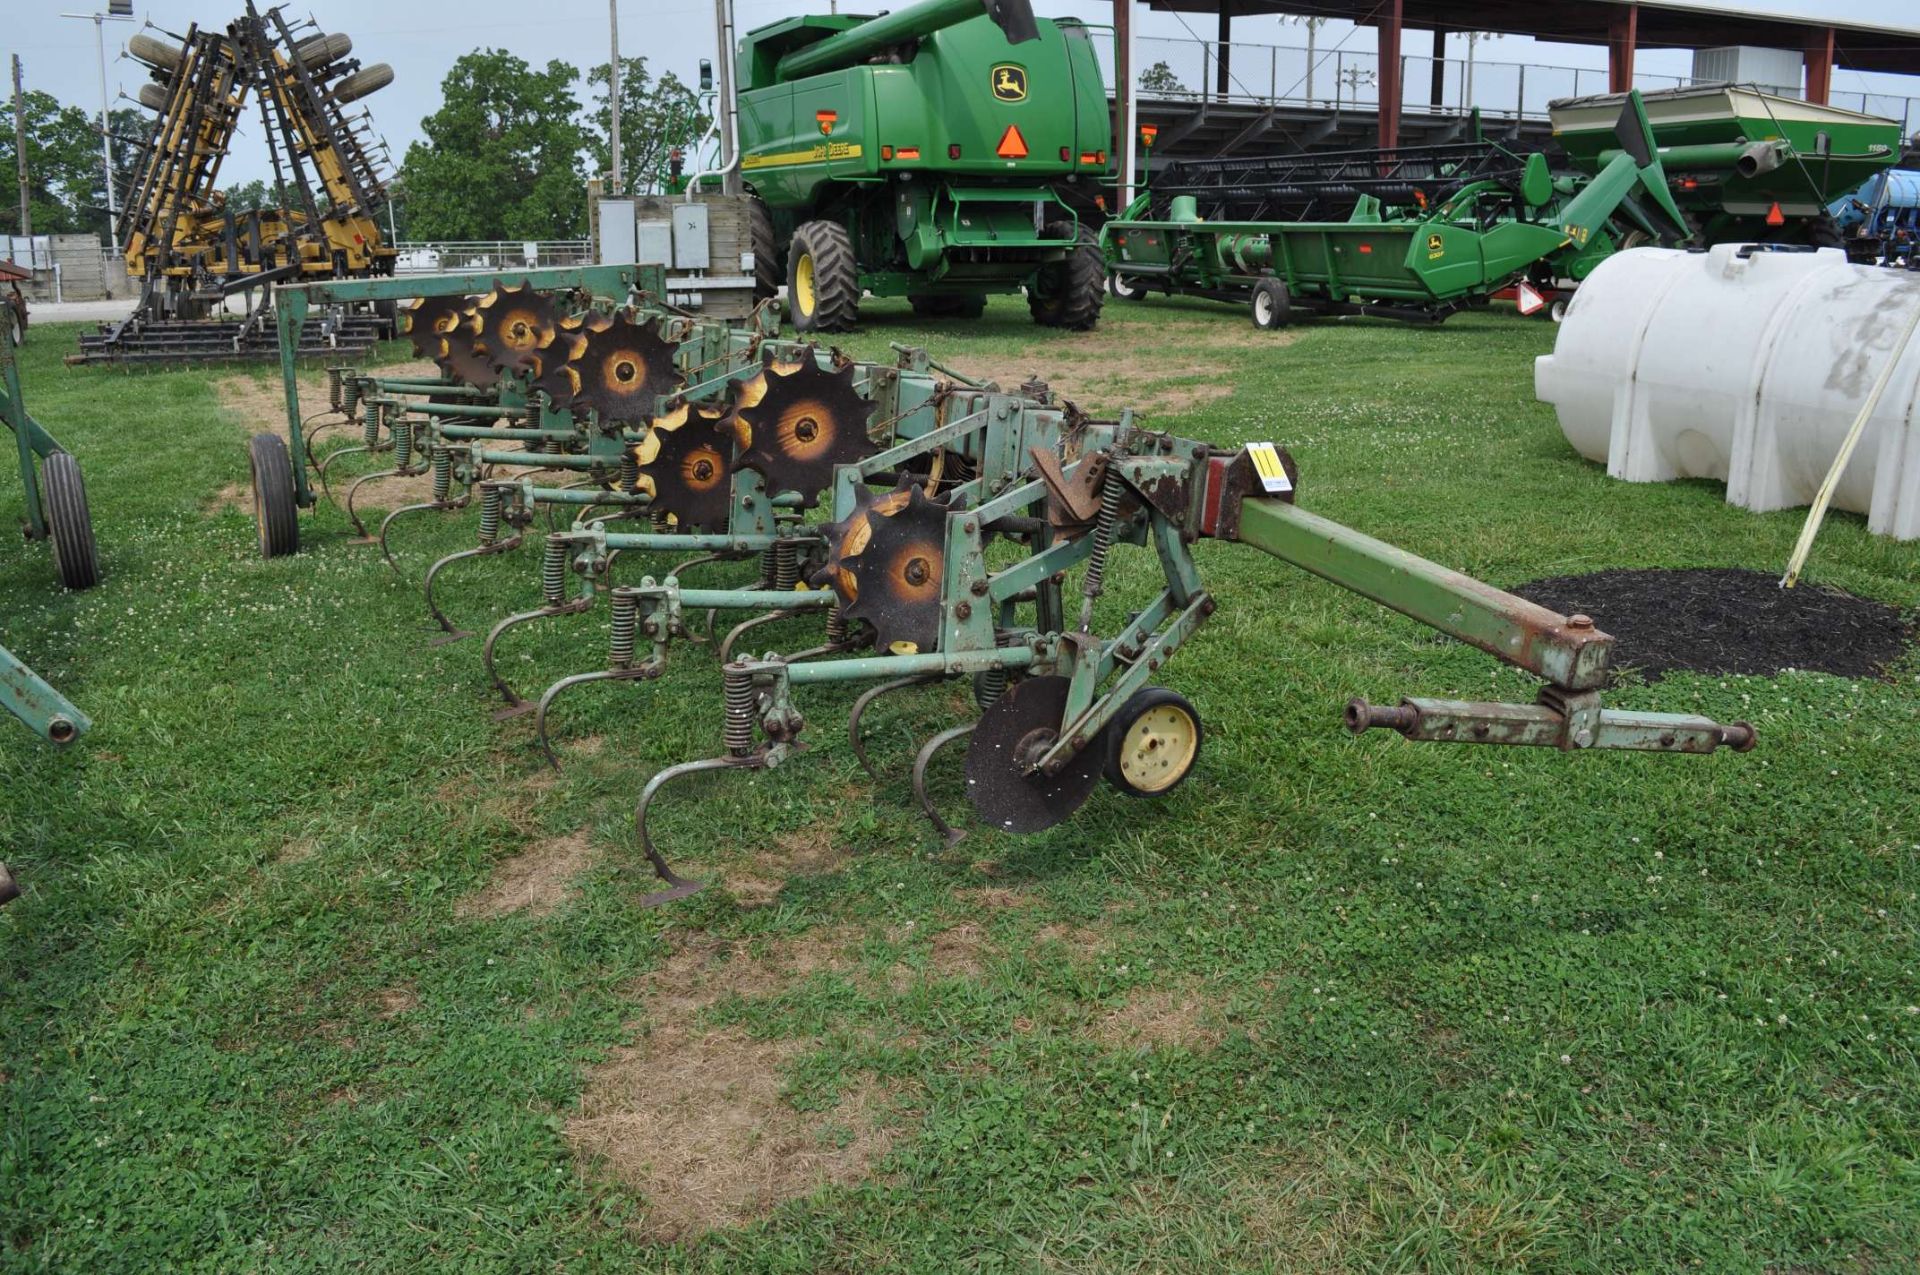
(1272, 304)
(1068, 293)
(1153, 743)
(274, 512)
(823, 285)
(767, 272)
(1126, 288)
(1824, 232)
(69, 525)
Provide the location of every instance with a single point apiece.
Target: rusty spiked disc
(513, 326)
(458, 356)
(886, 562)
(622, 369)
(687, 458)
(554, 374)
(806, 422)
(429, 319)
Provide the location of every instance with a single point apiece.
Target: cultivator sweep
(937, 528)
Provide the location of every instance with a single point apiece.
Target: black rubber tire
(8, 890)
(769, 272)
(1824, 232)
(275, 515)
(1069, 293)
(1137, 705)
(1125, 289)
(16, 321)
(836, 279)
(64, 492)
(1271, 305)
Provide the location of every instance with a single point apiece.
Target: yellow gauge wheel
(804, 298)
(1156, 740)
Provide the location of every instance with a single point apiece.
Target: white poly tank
(1748, 366)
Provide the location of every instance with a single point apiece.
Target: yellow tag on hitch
(1273, 474)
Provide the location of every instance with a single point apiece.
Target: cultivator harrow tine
(862, 704)
(450, 632)
(425, 506)
(746, 626)
(949, 835)
(517, 706)
(623, 644)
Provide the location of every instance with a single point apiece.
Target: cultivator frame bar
(903, 581)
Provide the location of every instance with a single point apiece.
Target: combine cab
(926, 153)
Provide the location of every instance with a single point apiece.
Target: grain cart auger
(910, 572)
(1431, 232)
(937, 152)
(56, 501)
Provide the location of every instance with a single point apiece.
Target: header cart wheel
(1153, 743)
(69, 525)
(275, 515)
(1272, 304)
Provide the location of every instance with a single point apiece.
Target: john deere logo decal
(1010, 82)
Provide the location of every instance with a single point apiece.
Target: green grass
(1473, 1009)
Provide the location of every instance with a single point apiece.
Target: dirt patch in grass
(299, 850)
(535, 881)
(1102, 369)
(806, 852)
(1724, 620)
(395, 1001)
(1155, 1018)
(995, 897)
(260, 405)
(696, 1119)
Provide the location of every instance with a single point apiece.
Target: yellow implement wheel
(1156, 739)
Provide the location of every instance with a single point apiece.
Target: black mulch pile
(1728, 621)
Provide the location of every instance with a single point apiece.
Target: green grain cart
(926, 153)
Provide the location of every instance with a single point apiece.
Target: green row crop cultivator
(938, 528)
(56, 511)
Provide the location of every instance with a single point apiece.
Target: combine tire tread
(1069, 293)
(836, 278)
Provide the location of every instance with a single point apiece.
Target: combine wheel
(1272, 304)
(766, 251)
(1068, 293)
(68, 524)
(274, 512)
(823, 287)
(1154, 741)
(1125, 288)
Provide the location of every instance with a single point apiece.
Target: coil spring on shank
(738, 731)
(491, 500)
(370, 427)
(991, 686)
(785, 566)
(626, 622)
(553, 572)
(836, 626)
(402, 430)
(442, 471)
(629, 471)
(350, 395)
(336, 389)
(1110, 494)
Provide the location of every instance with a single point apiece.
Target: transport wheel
(823, 287)
(69, 526)
(16, 324)
(1153, 743)
(767, 274)
(8, 890)
(274, 512)
(1068, 293)
(1125, 289)
(1271, 305)
(1558, 310)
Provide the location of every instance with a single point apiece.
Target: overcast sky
(421, 38)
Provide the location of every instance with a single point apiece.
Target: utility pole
(117, 11)
(20, 148)
(613, 88)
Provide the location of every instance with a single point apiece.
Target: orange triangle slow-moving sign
(1012, 145)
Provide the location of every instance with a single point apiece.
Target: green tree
(502, 155)
(248, 196)
(1159, 78)
(656, 116)
(65, 190)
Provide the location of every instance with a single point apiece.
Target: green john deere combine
(926, 153)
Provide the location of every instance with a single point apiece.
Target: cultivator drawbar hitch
(930, 528)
